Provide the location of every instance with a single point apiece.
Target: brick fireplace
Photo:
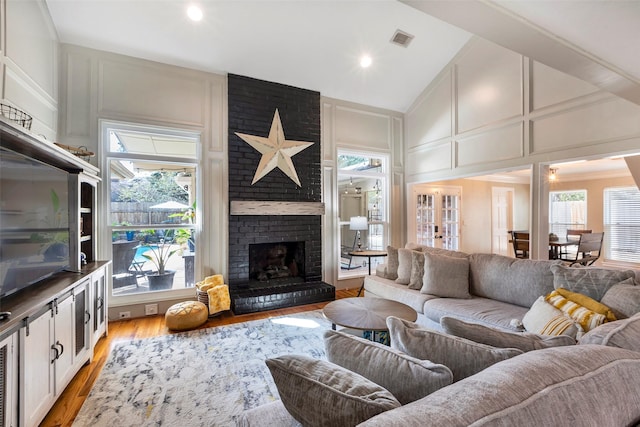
(275, 226)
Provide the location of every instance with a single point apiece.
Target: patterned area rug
(206, 377)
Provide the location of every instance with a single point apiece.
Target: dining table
(556, 245)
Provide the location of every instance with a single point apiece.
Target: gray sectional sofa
(467, 361)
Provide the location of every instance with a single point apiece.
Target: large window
(622, 224)
(362, 187)
(567, 211)
(152, 210)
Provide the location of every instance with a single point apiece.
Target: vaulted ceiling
(317, 44)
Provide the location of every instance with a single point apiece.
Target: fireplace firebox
(278, 262)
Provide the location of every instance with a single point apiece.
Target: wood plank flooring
(69, 403)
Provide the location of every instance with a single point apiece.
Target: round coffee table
(367, 314)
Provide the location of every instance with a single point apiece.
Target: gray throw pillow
(623, 299)
(392, 263)
(445, 276)
(404, 266)
(417, 270)
(464, 357)
(525, 341)
(589, 281)
(320, 393)
(621, 333)
(406, 377)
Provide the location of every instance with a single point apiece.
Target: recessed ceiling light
(365, 61)
(194, 13)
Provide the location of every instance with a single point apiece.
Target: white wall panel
(44, 114)
(77, 94)
(362, 128)
(218, 115)
(398, 146)
(31, 43)
(430, 119)
(591, 124)
(432, 158)
(489, 86)
(552, 86)
(498, 144)
(152, 93)
(328, 146)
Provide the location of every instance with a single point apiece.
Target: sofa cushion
(478, 310)
(445, 276)
(584, 385)
(389, 289)
(392, 263)
(524, 341)
(406, 377)
(545, 319)
(270, 414)
(590, 281)
(320, 393)
(462, 356)
(623, 298)
(516, 281)
(586, 318)
(417, 270)
(622, 333)
(588, 303)
(404, 266)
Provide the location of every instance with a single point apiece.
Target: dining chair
(572, 234)
(520, 240)
(589, 249)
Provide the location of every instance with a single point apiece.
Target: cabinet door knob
(54, 348)
(61, 349)
(88, 317)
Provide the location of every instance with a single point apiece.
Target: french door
(437, 216)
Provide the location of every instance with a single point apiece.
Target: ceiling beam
(503, 27)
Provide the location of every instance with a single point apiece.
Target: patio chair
(589, 249)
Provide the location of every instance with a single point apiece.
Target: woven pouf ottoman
(186, 315)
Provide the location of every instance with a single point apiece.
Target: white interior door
(501, 219)
(437, 216)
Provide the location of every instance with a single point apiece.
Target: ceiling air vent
(401, 38)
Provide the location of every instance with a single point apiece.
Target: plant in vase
(159, 255)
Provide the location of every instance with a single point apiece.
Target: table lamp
(358, 223)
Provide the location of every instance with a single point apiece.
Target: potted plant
(184, 235)
(159, 255)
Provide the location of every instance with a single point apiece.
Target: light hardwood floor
(66, 408)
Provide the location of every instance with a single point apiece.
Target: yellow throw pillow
(586, 318)
(589, 303)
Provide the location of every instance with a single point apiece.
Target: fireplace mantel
(241, 207)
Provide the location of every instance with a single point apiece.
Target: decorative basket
(15, 115)
(203, 297)
(81, 151)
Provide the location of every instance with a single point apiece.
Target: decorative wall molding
(241, 207)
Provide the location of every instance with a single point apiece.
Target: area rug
(206, 377)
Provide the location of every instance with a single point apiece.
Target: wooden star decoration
(276, 151)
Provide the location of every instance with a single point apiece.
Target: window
(362, 187)
(152, 211)
(567, 210)
(622, 224)
(437, 214)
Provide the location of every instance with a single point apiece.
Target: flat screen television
(34, 221)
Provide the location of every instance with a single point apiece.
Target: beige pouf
(186, 315)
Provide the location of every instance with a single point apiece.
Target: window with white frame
(567, 211)
(152, 208)
(622, 224)
(363, 195)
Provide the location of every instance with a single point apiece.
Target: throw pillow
(392, 263)
(622, 333)
(623, 298)
(320, 393)
(588, 303)
(445, 276)
(586, 318)
(525, 341)
(417, 270)
(592, 282)
(545, 319)
(404, 266)
(462, 356)
(406, 377)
